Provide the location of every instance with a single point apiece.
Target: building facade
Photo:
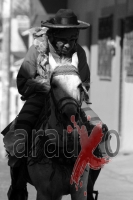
(108, 45)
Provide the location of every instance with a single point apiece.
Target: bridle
(64, 70)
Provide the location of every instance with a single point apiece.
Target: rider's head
(64, 30)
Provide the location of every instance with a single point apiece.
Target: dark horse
(51, 175)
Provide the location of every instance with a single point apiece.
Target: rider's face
(64, 40)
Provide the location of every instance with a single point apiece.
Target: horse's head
(67, 90)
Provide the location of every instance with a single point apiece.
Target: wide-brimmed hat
(65, 18)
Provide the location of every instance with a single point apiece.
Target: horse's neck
(54, 124)
(53, 121)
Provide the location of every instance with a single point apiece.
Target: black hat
(65, 18)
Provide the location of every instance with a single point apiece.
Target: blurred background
(108, 44)
(109, 49)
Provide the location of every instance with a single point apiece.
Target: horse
(51, 176)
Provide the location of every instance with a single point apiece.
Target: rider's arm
(83, 67)
(28, 83)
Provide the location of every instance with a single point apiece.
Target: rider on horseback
(59, 37)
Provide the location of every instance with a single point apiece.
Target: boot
(18, 188)
(17, 194)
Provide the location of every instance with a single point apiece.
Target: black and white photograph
(66, 102)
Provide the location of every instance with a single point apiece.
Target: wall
(17, 45)
(111, 99)
(127, 100)
(104, 98)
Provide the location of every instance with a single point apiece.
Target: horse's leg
(81, 193)
(90, 188)
(93, 175)
(42, 196)
(47, 183)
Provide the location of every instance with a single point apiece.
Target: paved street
(115, 181)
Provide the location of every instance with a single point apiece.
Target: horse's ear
(75, 60)
(52, 62)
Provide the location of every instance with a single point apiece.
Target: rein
(57, 104)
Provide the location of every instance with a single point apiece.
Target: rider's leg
(26, 120)
(90, 121)
(30, 112)
(18, 188)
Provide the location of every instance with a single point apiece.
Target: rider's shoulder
(32, 49)
(80, 50)
(31, 52)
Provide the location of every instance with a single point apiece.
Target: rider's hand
(42, 85)
(34, 86)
